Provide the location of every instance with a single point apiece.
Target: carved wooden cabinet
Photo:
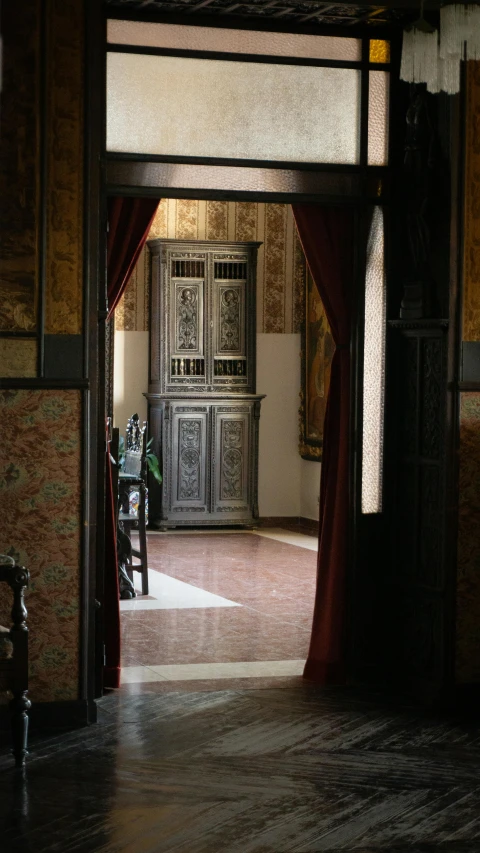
(203, 410)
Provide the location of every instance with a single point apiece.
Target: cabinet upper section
(202, 330)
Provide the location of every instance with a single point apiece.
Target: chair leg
(20, 706)
(142, 540)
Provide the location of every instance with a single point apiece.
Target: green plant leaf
(154, 467)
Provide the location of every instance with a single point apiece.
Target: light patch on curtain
(374, 369)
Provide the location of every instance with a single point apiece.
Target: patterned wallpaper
(281, 263)
(20, 175)
(18, 357)
(64, 261)
(468, 576)
(471, 299)
(40, 472)
(19, 164)
(40, 481)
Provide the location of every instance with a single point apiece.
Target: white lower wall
(309, 489)
(288, 485)
(130, 377)
(278, 376)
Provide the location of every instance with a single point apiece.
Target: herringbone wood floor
(254, 771)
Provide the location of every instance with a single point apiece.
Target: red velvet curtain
(327, 235)
(111, 613)
(129, 221)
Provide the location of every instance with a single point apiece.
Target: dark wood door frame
(97, 188)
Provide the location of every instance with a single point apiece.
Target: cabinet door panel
(190, 455)
(232, 439)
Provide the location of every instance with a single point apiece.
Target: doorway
(338, 181)
(180, 574)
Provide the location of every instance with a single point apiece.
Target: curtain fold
(327, 236)
(111, 616)
(129, 221)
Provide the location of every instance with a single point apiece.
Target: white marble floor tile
(243, 669)
(171, 594)
(139, 675)
(289, 537)
(278, 533)
(199, 531)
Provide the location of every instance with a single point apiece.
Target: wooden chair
(124, 547)
(14, 656)
(134, 477)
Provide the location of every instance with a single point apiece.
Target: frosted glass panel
(201, 177)
(213, 108)
(374, 369)
(378, 118)
(181, 37)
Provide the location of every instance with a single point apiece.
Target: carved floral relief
(187, 319)
(189, 441)
(230, 319)
(232, 460)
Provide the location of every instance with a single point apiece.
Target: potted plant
(151, 458)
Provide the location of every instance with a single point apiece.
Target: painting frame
(316, 359)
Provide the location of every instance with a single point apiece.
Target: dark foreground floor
(258, 771)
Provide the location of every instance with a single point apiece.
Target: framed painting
(316, 359)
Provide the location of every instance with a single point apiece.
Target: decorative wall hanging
(433, 56)
(317, 353)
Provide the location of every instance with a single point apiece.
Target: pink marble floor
(274, 582)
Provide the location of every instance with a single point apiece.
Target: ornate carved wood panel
(188, 457)
(188, 317)
(204, 412)
(416, 578)
(202, 316)
(230, 307)
(231, 438)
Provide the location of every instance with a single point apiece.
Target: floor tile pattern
(167, 593)
(248, 771)
(271, 582)
(205, 671)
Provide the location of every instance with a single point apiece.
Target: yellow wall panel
(64, 262)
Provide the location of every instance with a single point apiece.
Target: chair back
(136, 448)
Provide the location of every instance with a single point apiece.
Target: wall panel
(19, 170)
(65, 146)
(468, 548)
(40, 480)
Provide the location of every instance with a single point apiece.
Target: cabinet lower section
(209, 457)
